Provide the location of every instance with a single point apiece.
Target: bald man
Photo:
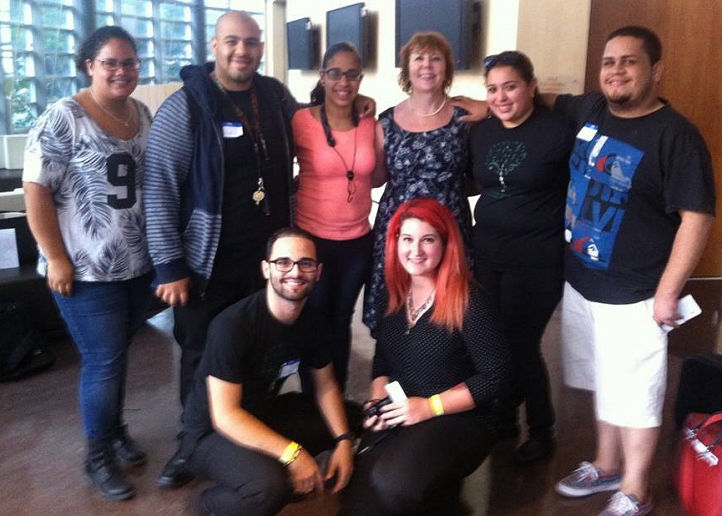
(217, 186)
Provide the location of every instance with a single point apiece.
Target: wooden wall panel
(692, 79)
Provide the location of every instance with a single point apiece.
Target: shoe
(621, 504)
(127, 450)
(537, 447)
(586, 480)
(102, 470)
(175, 473)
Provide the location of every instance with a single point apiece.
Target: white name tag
(587, 132)
(232, 129)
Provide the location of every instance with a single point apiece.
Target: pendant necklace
(125, 122)
(413, 315)
(434, 113)
(256, 137)
(350, 175)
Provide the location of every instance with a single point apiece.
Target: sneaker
(626, 505)
(586, 480)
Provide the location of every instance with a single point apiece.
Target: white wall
(552, 32)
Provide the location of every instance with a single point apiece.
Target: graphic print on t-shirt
(601, 171)
(502, 160)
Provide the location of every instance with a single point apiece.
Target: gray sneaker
(626, 505)
(587, 480)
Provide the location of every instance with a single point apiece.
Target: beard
(292, 293)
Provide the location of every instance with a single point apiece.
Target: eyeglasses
(335, 74)
(113, 65)
(286, 264)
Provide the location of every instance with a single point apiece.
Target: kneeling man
(238, 431)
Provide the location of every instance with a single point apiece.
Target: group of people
(263, 269)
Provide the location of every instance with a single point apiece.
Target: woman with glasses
(335, 150)
(83, 170)
(519, 158)
(441, 340)
(423, 150)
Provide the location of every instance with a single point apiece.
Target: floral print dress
(419, 164)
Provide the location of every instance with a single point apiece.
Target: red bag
(699, 465)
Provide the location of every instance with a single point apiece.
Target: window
(39, 38)
(37, 47)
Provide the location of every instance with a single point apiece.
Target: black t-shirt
(629, 178)
(246, 226)
(427, 359)
(523, 175)
(247, 345)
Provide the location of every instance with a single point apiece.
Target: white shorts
(620, 353)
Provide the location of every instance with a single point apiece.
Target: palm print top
(419, 164)
(95, 180)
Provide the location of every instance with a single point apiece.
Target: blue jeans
(345, 269)
(102, 318)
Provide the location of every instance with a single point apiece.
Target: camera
(375, 408)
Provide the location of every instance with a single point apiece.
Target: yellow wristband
(290, 453)
(436, 406)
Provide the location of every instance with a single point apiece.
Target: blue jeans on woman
(102, 318)
(345, 269)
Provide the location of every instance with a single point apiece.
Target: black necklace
(256, 137)
(351, 184)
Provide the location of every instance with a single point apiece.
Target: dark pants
(228, 283)
(345, 268)
(252, 483)
(412, 470)
(527, 299)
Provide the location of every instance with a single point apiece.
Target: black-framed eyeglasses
(335, 74)
(112, 65)
(286, 264)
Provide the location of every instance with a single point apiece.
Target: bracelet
(348, 436)
(436, 406)
(290, 453)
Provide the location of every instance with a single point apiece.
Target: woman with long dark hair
(441, 340)
(335, 150)
(84, 165)
(519, 158)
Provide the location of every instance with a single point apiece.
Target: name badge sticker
(289, 368)
(587, 132)
(232, 129)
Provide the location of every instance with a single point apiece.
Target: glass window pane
(59, 65)
(58, 41)
(59, 88)
(101, 20)
(175, 12)
(137, 27)
(22, 105)
(145, 47)
(175, 30)
(178, 49)
(142, 8)
(172, 69)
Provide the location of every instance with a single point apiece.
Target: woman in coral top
(336, 154)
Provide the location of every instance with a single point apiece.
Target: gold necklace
(125, 122)
(434, 113)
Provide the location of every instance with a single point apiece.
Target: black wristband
(347, 436)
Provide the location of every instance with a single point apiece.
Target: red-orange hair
(452, 275)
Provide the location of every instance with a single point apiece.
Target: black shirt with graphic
(247, 345)
(523, 176)
(629, 178)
